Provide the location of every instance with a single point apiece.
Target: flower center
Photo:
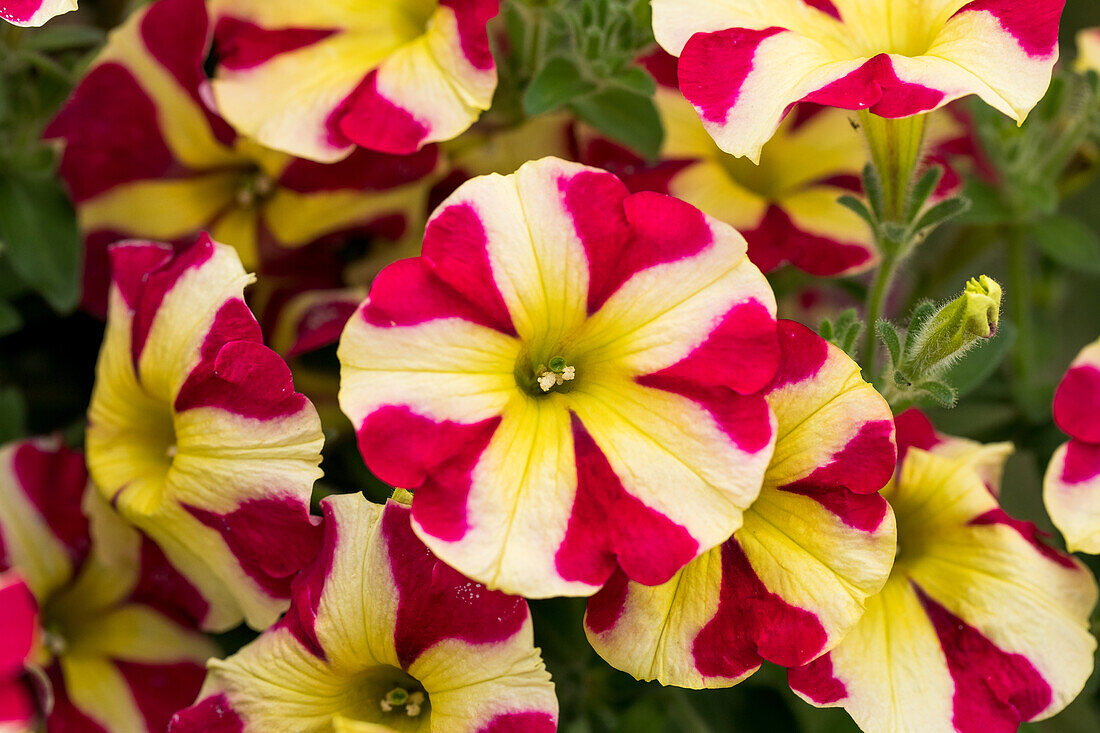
(387, 696)
(255, 186)
(554, 374)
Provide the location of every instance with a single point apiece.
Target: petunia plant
(511, 366)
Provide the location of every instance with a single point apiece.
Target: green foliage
(1069, 242)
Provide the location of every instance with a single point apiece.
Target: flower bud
(955, 328)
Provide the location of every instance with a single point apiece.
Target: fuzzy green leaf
(1069, 242)
(626, 116)
(556, 84)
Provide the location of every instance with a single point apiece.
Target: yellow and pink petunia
(382, 636)
(816, 543)
(567, 379)
(195, 433)
(744, 63)
(34, 13)
(115, 634)
(980, 627)
(1071, 489)
(19, 620)
(145, 158)
(316, 79)
(915, 430)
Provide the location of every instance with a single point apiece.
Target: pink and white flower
(1071, 490)
(567, 379)
(795, 577)
(144, 158)
(382, 636)
(195, 433)
(34, 12)
(316, 79)
(115, 634)
(981, 626)
(744, 63)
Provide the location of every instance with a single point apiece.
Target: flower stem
(876, 303)
(1019, 280)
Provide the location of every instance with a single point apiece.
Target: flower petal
(34, 13)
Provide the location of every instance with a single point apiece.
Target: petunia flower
(34, 13)
(566, 378)
(195, 433)
(315, 79)
(145, 158)
(744, 63)
(19, 620)
(382, 636)
(981, 625)
(1088, 50)
(814, 545)
(1071, 489)
(115, 634)
(915, 430)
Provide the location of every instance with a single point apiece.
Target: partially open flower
(642, 460)
(382, 636)
(115, 632)
(145, 158)
(814, 545)
(34, 12)
(195, 433)
(744, 63)
(981, 625)
(1071, 489)
(315, 79)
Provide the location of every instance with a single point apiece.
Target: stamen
(558, 373)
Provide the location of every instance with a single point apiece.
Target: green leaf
(921, 313)
(40, 237)
(13, 415)
(889, 336)
(855, 204)
(980, 364)
(941, 212)
(872, 188)
(636, 79)
(826, 330)
(922, 189)
(944, 394)
(556, 84)
(58, 37)
(987, 208)
(10, 319)
(626, 116)
(1069, 242)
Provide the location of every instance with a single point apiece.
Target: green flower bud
(955, 328)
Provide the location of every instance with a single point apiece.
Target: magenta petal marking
(17, 704)
(18, 619)
(244, 45)
(876, 86)
(741, 353)
(19, 10)
(161, 689)
(1033, 23)
(363, 170)
(1029, 532)
(915, 430)
(864, 512)
(863, 466)
(272, 539)
(437, 602)
(434, 458)
(156, 286)
(802, 354)
(112, 134)
(608, 526)
(995, 690)
(1082, 462)
(246, 379)
(527, 722)
(212, 715)
(162, 587)
(817, 681)
(752, 623)
(714, 67)
(54, 481)
(305, 592)
(1077, 403)
(745, 419)
(606, 607)
(776, 240)
(825, 6)
(456, 250)
(65, 716)
(472, 17)
(594, 201)
(372, 120)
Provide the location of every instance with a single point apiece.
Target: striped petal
(19, 619)
(915, 430)
(315, 82)
(813, 547)
(1071, 490)
(981, 626)
(743, 63)
(34, 13)
(377, 612)
(196, 434)
(660, 430)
